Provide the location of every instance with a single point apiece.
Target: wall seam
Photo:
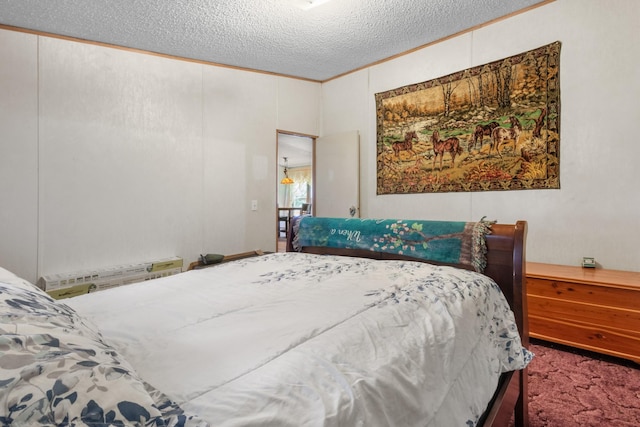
(203, 161)
(38, 163)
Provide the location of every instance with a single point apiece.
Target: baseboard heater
(65, 285)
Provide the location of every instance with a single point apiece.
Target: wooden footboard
(506, 260)
(506, 265)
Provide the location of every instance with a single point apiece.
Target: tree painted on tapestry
(403, 237)
(491, 127)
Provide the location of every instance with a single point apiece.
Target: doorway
(296, 161)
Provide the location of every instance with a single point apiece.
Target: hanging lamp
(286, 180)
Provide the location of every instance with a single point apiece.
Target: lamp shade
(286, 180)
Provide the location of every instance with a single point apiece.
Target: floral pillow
(55, 369)
(8, 277)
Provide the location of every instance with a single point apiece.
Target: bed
(327, 334)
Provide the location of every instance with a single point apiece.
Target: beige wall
(596, 211)
(109, 156)
(18, 152)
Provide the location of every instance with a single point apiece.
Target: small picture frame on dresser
(588, 262)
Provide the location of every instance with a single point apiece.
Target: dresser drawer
(596, 338)
(611, 316)
(582, 292)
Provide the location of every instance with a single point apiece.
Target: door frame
(313, 174)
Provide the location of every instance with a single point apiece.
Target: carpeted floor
(571, 388)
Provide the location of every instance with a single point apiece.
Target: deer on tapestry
(406, 145)
(480, 132)
(452, 145)
(500, 135)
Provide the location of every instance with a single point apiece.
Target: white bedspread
(306, 340)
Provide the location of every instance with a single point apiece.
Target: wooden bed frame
(505, 265)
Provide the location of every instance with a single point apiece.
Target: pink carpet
(570, 388)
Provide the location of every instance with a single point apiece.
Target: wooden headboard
(506, 266)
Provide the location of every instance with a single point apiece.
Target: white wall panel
(343, 110)
(239, 160)
(298, 107)
(595, 212)
(120, 171)
(113, 157)
(18, 153)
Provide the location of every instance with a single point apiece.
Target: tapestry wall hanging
(491, 127)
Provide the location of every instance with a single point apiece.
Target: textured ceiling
(267, 35)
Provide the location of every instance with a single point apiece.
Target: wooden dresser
(592, 309)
